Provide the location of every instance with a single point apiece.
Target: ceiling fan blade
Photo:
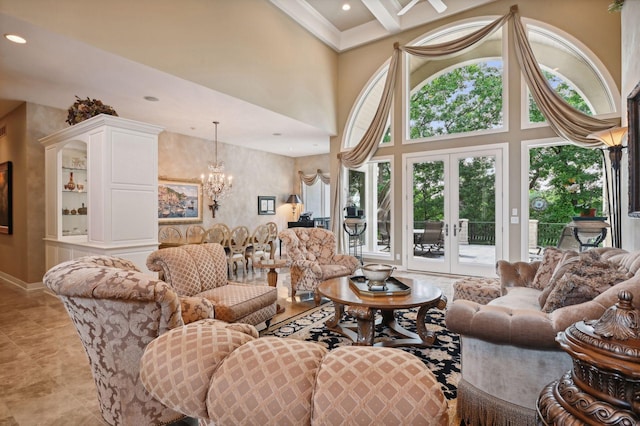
(407, 7)
(438, 5)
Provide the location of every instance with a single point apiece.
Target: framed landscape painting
(6, 197)
(179, 201)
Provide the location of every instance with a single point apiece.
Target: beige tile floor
(44, 373)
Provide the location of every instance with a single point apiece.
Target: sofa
(223, 376)
(508, 347)
(198, 272)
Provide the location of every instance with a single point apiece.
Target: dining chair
(169, 235)
(194, 234)
(258, 245)
(218, 233)
(273, 236)
(237, 244)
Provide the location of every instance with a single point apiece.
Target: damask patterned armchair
(312, 253)
(199, 272)
(117, 311)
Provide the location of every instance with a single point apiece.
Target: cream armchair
(313, 259)
(199, 272)
(228, 377)
(117, 311)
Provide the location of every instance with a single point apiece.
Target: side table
(589, 233)
(603, 388)
(272, 275)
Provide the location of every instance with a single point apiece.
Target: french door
(454, 217)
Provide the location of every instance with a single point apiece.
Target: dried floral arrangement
(83, 109)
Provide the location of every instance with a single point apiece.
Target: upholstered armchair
(227, 377)
(313, 259)
(117, 311)
(199, 272)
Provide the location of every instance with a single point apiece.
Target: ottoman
(477, 289)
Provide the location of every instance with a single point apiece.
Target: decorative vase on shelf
(71, 185)
(82, 210)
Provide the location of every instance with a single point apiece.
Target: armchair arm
(500, 324)
(308, 264)
(195, 308)
(349, 261)
(516, 274)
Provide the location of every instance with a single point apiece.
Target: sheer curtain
(565, 120)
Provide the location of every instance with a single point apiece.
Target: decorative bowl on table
(377, 273)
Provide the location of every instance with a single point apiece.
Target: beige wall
(254, 173)
(630, 78)
(596, 28)
(254, 51)
(22, 253)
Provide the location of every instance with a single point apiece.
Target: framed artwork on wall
(6, 199)
(266, 204)
(179, 201)
(633, 144)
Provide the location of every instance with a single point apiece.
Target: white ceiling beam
(385, 14)
(312, 20)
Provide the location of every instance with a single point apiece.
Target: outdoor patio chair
(431, 236)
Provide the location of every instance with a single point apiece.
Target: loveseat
(198, 273)
(508, 346)
(224, 376)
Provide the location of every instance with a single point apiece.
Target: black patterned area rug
(442, 358)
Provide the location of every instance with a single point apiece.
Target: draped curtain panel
(566, 121)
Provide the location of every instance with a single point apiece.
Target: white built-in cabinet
(101, 190)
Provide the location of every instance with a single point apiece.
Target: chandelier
(215, 184)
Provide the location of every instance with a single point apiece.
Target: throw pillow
(560, 267)
(550, 259)
(585, 278)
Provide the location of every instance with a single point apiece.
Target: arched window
(469, 94)
(572, 71)
(364, 110)
(459, 93)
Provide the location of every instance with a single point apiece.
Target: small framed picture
(266, 204)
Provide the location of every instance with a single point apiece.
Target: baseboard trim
(11, 280)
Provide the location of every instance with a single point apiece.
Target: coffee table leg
(339, 311)
(423, 338)
(366, 324)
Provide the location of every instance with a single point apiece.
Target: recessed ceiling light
(151, 99)
(346, 6)
(15, 38)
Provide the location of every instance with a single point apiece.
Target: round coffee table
(364, 308)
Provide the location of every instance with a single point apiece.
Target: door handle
(446, 230)
(455, 229)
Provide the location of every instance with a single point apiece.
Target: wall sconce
(294, 200)
(613, 138)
